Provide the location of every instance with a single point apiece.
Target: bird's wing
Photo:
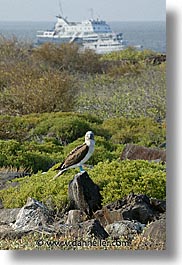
(74, 157)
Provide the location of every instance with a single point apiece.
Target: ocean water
(151, 35)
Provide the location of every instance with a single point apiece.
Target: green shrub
(34, 156)
(130, 53)
(115, 179)
(17, 127)
(30, 157)
(36, 142)
(67, 129)
(67, 126)
(38, 186)
(141, 131)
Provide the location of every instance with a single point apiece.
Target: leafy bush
(130, 53)
(67, 57)
(17, 128)
(125, 68)
(141, 131)
(33, 156)
(115, 179)
(38, 186)
(129, 96)
(36, 142)
(30, 157)
(13, 51)
(35, 81)
(65, 126)
(67, 129)
(29, 91)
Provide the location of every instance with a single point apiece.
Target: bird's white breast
(91, 145)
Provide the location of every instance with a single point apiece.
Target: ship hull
(42, 40)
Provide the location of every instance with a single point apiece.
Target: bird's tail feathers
(59, 174)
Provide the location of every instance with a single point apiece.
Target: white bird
(79, 155)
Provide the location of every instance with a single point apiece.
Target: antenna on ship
(91, 13)
(60, 9)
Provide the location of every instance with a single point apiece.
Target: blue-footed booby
(79, 155)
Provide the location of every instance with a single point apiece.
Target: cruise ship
(92, 34)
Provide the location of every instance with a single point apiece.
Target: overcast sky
(77, 10)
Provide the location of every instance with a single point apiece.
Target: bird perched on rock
(79, 155)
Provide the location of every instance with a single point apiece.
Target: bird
(78, 156)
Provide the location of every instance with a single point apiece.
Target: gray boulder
(138, 207)
(33, 216)
(156, 230)
(75, 217)
(125, 228)
(8, 216)
(84, 194)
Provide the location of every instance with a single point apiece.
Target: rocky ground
(85, 217)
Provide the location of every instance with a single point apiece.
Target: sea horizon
(150, 34)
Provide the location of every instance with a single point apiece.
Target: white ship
(90, 34)
(106, 43)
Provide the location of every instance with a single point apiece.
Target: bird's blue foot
(81, 169)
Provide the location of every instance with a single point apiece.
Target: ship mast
(60, 9)
(91, 13)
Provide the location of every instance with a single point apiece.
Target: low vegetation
(113, 85)
(51, 95)
(44, 140)
(115, 179)
(37, 142)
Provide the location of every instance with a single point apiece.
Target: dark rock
(134, 152)
(8, 216)
(156, 59)
(94, 228)
(125, 228)
(84, 194)
(139, 212)
(33, 216)
(84, 230)
(1, 204)
(75, 217)
(158, 205)
(138, 207)
(156, 230)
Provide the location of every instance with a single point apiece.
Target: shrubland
(53, 78)
(115, 179)
(127, 96)
(51, 95)
(49, 137)
(36, 142)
